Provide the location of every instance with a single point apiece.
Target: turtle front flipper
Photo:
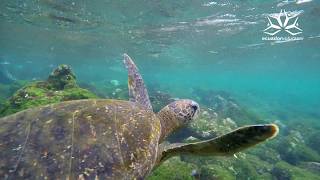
(228, 144)
(137, 90)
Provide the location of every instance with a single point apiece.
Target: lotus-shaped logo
(290, 24)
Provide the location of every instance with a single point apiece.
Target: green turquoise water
(179, 46)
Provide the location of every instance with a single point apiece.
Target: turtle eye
(194, 107)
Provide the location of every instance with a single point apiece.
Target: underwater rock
(173, 168)
(220, 101)
(281, 174)
(248, 165)
(267, 154)
(226, 106)
(285, 171)
(314, 140)
(209, 125)
(60, 86)
(62, 78)
(159, 99)
(7, 90)
(247, 170)
(293, 149)
(242, 166)
(216, 172)
(311, 166)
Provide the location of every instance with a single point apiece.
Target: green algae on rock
(313, 141)
(62, 78)
(173, 168)
(159, 99)
(293, 151)
(284, 171)
(60, 86)
(209, 124)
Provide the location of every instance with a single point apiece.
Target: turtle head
(176, 115)
(184, 110)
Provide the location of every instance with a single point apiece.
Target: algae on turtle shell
(60, 86)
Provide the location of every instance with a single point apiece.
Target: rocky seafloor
(293, 154)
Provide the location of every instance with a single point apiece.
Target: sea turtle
(106, 138)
